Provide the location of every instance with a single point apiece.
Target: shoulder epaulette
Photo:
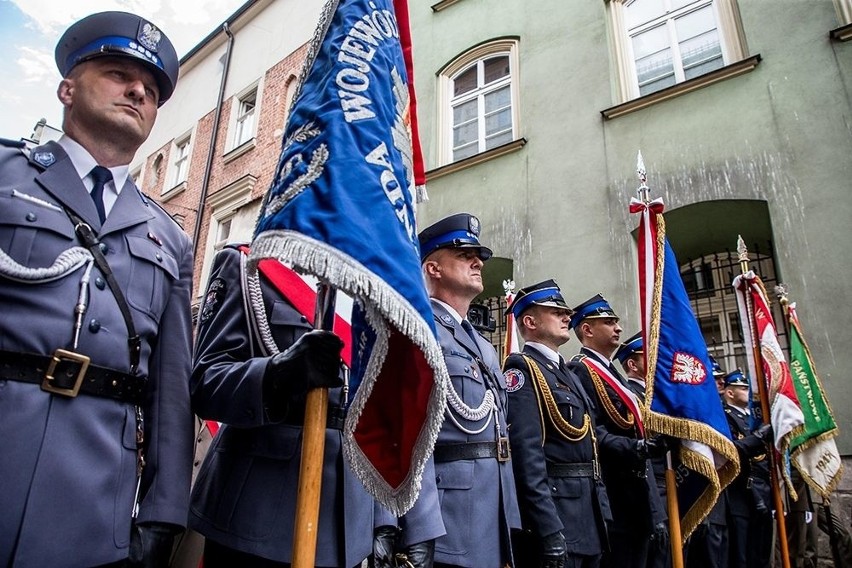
(12, 143)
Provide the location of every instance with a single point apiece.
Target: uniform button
(100, 283)
(304, 319)
(159, 257)
(94, 326)
(104, 248)
(438, 479)
(31, 217)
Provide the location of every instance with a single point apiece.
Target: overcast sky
(31, 28)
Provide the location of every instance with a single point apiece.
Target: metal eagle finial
(509, 287)
(643, 191)
(742, 252)
(781, 292)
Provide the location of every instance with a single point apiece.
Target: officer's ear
(65, 91)
(432, 269)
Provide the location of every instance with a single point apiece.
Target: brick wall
(259, 161)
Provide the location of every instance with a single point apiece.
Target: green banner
(818, 418)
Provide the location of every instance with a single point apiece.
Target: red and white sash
(624, 394)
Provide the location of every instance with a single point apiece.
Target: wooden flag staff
(313, 449)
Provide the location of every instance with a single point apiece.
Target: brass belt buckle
(62, 355)
(503, 451)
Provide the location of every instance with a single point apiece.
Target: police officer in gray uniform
(95, 283)
(253, 365)
(472, 466)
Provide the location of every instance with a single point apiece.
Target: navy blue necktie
(100, 175)
(471, 332)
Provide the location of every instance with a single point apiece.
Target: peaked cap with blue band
(456, 231)
(630, 347)
(545, 293)
(736, 378)
(594, 307)
(120, 34)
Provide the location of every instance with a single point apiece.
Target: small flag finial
(781, 292)
(509, 287)
(643, 190)
(742, 252)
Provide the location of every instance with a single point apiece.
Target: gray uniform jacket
(478, 500)
(68, 465)
(245, 494)
(423, 521)
(577, 506)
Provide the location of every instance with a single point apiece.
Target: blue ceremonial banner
(341, 207)
(682, 400)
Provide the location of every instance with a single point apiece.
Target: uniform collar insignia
(447, 319)
(44, 159)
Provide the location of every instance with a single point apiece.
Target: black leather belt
(67, 374)
(471, 451)
(335, 417)
(571, 469)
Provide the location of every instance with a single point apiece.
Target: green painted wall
(768, 154)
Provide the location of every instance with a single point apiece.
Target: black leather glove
(640, 448)
(151, 545)
(313, 361)
(656, 446)
(764, 432)
(419, 555)
(384, 541)
(660, 536)
(553, 550)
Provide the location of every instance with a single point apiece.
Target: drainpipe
(205, 183)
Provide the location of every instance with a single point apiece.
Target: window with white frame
(479, 102)
(244, 126)
(180, 160)
(660, 43)
(844, 11)
(223, 232)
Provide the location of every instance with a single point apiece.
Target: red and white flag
(511, 342)
(785, 412)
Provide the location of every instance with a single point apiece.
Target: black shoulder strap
(91, 242)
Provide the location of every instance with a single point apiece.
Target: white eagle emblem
(150, 36)
(687, 369)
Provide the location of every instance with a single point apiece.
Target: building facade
(531, 116)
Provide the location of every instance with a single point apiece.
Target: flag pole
(764, 408)
(313, 449)
(508, 343)
(675, 537)
(781, 293)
